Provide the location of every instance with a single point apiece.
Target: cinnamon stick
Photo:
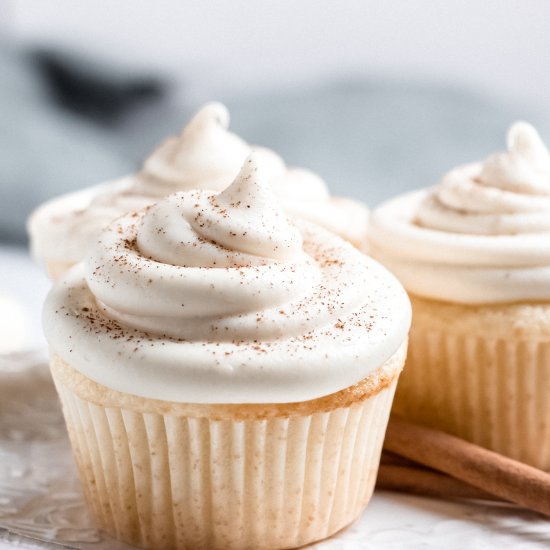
(426, 482)
(496, 474)
(397, 460)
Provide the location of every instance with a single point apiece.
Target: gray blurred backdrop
(376, 96)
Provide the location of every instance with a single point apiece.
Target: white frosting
(481, 236)
(306, 196)
(219, 298)
(64, 228)
(205, 156)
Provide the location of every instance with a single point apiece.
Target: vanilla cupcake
(474, 254)
(226, 376)
(205, 156)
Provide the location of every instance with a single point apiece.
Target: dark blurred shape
(102, 92)
(47, 149)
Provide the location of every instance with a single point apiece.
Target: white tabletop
(392, 521)
(25, 286)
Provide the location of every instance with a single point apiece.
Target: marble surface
(40, 499)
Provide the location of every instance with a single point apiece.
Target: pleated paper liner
(490, 388)
(175, 476)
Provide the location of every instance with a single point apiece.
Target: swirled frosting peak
(481, 236)
(204, 156)
(507, 194)
(202, 254)
(241, 226)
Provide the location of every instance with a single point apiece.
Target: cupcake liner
(168, 480)
(492, 391)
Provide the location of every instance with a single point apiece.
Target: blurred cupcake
(474, 254)
(205, 156)
(226, 376)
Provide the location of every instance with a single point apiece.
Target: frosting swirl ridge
(204, 156)
(202, 255)
(507, 194)
(481, 236)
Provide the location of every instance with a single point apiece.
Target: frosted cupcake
(226, 376)
(205, 156)
(474, 254)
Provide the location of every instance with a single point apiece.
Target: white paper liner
(163, 481)
(494, 392)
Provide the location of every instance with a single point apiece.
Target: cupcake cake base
(168, 475)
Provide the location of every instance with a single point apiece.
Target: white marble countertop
(25, 286)
(403, 522)
(392, 521)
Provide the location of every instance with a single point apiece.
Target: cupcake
(474, 254)
(226, 374)
(205, 156)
